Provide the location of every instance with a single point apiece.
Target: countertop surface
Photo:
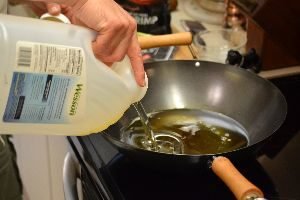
(183, 52)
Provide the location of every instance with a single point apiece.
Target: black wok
(239, 94)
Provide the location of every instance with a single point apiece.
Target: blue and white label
(47, 85)
(40, 98)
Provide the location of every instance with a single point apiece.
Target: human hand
(40, 8)
(116, 33)
(116, 30)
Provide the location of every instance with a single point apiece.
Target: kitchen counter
(183, 52)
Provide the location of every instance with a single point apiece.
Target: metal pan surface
(252, 101)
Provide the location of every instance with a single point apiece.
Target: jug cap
(57, 18)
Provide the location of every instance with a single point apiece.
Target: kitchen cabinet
(40, 160)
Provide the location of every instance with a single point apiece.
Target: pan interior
(199, 132)
(256, 104)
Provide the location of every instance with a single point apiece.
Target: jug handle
(123, 69)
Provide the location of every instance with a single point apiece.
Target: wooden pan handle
(151, 41)
(237, 183)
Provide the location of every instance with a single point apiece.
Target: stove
(107, 174)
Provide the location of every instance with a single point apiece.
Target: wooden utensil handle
(237, 183)
(151, 41)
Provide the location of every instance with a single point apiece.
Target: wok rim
(126, 146)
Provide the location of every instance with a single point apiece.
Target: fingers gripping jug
(52, 84)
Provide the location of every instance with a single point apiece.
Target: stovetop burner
(137, 182)
(107, 174)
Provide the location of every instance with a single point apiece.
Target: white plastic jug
(52, 84)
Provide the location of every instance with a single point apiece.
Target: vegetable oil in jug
(52, 84)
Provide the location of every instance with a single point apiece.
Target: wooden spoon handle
(237, 183)
(151, 41)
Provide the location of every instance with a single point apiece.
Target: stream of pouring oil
(150, 139)
(162, 141)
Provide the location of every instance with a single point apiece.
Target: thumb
(53, 8)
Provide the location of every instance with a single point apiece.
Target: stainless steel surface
(173, 141)
(70, 177)
(247, 98)
(241, 95)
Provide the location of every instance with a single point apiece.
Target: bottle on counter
(152, 16)
(52, 84)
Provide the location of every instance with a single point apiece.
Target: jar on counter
(152, 16)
